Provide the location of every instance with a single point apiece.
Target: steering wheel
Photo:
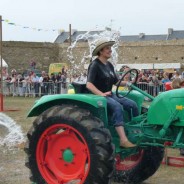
(133, 75)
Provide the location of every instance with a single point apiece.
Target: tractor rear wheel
(67, 144)
(137, 168)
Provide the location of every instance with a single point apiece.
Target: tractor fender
(92, 102)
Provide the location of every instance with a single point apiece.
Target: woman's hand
(108, 93)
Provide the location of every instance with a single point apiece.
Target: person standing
(14, 84)
(20, 84)
(41, 83)
(36, 84)
(58, 83)
(166, 78)
(46, 80)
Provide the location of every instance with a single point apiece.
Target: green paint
(51, 100)
(68, 155)
(164, 105)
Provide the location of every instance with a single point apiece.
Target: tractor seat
(80, 87)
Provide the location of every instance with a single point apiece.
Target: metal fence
(34, 89)
(50, 88)
(151, 89)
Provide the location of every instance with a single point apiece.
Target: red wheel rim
(129, 162)
(62, 155)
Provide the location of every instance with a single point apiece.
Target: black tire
(97, 137)
(147, 166)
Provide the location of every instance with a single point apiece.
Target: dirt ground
(13, 171)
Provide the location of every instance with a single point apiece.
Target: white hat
(101, 44)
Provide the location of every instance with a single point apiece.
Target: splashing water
(91, 39)
(10, 133)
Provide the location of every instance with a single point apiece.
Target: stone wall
(152, 52)
(18, 55)
(169, 51)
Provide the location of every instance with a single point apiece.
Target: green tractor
(72, 140)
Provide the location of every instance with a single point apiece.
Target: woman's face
(106, 52)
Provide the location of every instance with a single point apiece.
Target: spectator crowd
(33, 85)
(153, 81)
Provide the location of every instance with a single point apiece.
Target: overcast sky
(132, 16)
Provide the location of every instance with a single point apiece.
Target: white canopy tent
(167, 65)
(148, 66)
(136, 66)
(152, 66)
(3, 63)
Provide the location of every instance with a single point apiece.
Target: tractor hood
(165, 105)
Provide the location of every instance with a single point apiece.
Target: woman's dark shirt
(102, 76)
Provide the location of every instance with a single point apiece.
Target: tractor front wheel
(138, 167)
(68, 145)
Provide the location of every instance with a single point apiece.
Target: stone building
(139, 49)
(142, 48)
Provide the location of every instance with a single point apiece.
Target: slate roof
(176, 35)
(64, 36)
(137, 38)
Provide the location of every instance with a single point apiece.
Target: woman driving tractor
(101, 78)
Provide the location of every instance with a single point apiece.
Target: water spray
(10, 133)
(91, 37)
